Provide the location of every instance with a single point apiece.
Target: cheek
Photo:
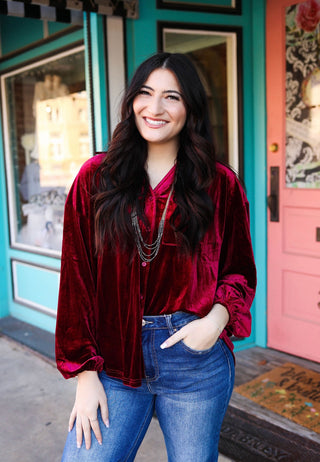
(135, 106)
(138, 105)
(136, 109)
(182, 117)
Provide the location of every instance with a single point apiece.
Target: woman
(157, 274)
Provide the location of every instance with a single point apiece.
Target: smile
(155, 123)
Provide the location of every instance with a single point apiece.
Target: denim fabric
(188, 389)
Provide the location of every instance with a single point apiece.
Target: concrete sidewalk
(35, 402)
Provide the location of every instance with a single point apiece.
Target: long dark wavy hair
(121, 179)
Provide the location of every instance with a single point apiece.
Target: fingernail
(164, 345)
(107, 423)
(100, 442)
(78, 445)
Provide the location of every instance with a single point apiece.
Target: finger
(72, 418)
(86, 432)
(79, 432)
(104, 412)
(175, 338)
(96, 430)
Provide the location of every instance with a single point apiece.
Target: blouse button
(143, 264)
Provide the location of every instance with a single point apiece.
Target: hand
(89, 396)
(200, 334)
(203, 333)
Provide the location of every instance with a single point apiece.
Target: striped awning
(70, 11)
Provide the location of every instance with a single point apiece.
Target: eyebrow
(166, 91)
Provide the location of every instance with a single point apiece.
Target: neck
(159, 163)
(162, 153)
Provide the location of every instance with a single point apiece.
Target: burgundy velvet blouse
(102, 299)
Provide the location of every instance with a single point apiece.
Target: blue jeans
(188, 389)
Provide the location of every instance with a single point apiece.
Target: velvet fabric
(102, 299)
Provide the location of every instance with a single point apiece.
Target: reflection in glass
(47, 141)
(214, 55)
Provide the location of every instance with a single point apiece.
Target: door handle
(272, 204)
(273, 198)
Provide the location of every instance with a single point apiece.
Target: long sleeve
(76, 345)
(237, 273)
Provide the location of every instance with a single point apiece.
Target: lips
(155, 123)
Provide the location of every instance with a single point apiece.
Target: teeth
(156, 123)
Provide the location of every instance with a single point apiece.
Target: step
(252, 433)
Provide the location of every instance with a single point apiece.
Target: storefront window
(46, 142)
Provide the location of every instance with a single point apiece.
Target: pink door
(293, 136)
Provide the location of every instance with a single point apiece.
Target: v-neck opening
(163, 180)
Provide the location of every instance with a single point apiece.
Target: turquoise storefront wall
(141, 41)
(31, 278)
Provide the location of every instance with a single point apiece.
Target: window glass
(303, 96)
(46, 142)
(214, 55)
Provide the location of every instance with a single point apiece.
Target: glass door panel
(214, 54)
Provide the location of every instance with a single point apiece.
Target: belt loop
(168, 318)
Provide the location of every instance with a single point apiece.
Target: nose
(155, 105)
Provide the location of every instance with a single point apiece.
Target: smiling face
(159, 109)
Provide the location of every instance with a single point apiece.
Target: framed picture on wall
(216, 53)
(210, 6)
(46, 140)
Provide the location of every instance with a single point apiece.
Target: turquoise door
(225, 39)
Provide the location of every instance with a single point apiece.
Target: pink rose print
(308, 15)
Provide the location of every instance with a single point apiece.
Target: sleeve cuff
(71, 369)
(239, 323)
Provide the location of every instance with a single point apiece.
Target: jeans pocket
(185, 318)
(198, 352)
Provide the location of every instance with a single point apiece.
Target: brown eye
(173, 97)
(143, 92)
